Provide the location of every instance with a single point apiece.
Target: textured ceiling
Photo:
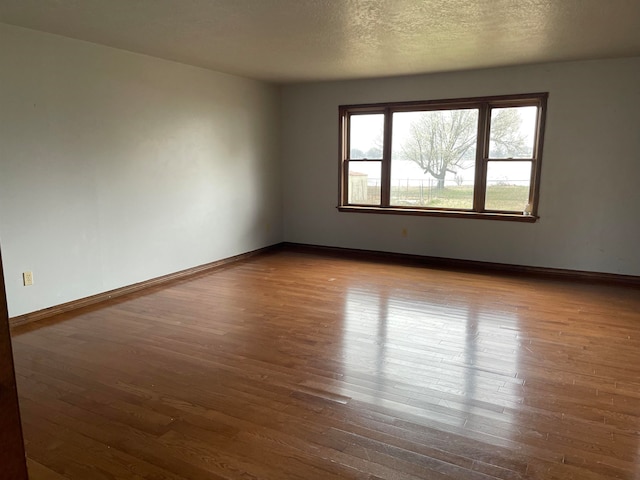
(299, 40)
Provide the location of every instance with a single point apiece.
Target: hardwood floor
(295, 365)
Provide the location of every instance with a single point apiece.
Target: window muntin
(478, 157)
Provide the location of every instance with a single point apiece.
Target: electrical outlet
(27, 278)
(405, 233)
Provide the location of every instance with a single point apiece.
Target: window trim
(484, 105)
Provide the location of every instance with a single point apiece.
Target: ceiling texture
(286, 41)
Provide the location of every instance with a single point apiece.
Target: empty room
(319, 239)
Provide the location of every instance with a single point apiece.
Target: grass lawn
(499, 197)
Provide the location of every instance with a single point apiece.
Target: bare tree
(506, 138)
(444, 141)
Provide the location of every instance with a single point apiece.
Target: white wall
(116, 167)
(590, 185)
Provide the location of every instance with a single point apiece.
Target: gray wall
(590, 188)
(116, 168)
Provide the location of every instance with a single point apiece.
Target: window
(475, 157)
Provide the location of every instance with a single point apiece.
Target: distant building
(358, 187)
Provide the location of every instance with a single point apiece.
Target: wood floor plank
(37, 470)
(309, 366)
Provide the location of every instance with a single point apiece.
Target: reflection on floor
(294, 365)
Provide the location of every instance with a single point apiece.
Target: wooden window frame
(484, 105)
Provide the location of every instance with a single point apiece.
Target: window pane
(508, 185)
(512, 132)
(433, 158)
(366, 136)
(364, 183)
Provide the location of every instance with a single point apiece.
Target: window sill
(511, 217)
